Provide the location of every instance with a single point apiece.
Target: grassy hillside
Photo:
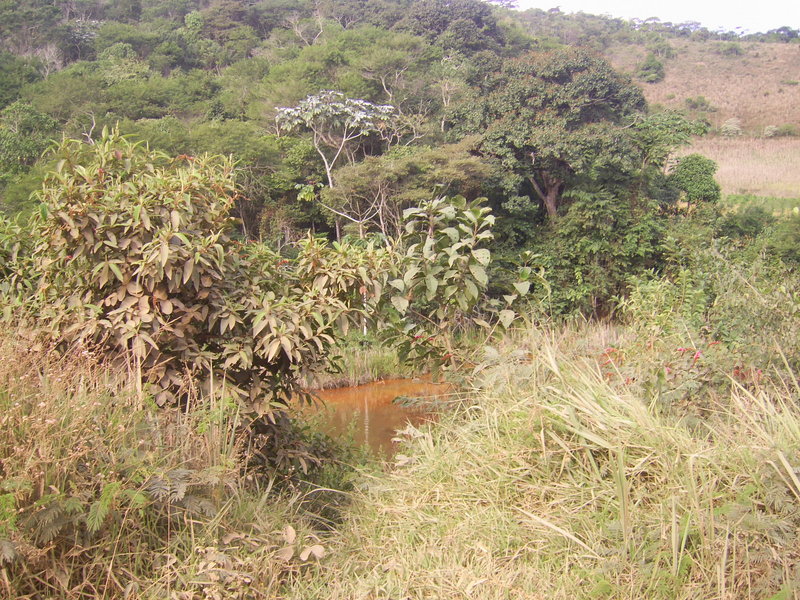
(758, 83)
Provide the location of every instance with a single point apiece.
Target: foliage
(24, 135)
(335, 122)
(135, 256)
(466, 26)
(15, 73)
(110, 496)
(441, 277)
(694, 176)
(600, 243)
(651, 70)
(553, 120)
(784, 241)
(376, 191)
(15, 276)
(699, 103)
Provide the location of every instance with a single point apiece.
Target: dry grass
(761, 87)
(556, 483)
(103, 495)
(762, 167)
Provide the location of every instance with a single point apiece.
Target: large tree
(554, 120)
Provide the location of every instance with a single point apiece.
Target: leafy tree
(554, 120)
(651, 70)
(378, 189)
(336, 124)
(441, 277)
(599, 244)
(466, 26)
(24, 135)
(15, 73)
(694, 177)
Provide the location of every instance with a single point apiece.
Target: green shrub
(699, 103)
(694, 176)
(134, 254)
(596, 247)
(787, 130)
(747, 223)
(651, 70)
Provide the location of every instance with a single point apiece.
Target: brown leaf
(285, 553)
(289, 534)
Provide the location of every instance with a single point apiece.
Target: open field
(762, 167)
(760, 86)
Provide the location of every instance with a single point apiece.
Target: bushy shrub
(699, 103)
(787, 130)
(596, 247)
(731, 128)
(694, 176)
(651, 70)
(134, 255)
(784, 241)
(747, 223)
(770, 131)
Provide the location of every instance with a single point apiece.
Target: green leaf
(479, 273)
(452, 233)
(471, 289)
(400, 303)
(431, 283)
(115, 269)
(506, 317)
(522, 287)
(482, 255)
(100, 508)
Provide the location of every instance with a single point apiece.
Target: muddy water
(368, 410)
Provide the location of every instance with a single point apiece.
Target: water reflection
(369, 409)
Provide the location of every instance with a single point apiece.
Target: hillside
(758, 83)
(249, 196)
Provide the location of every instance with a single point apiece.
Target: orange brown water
(369, 410)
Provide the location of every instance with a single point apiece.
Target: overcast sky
(752, 16)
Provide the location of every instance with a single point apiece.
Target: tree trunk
(550, 200)
(549, 195)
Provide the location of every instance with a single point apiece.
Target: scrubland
(757, 83)
(581, 461)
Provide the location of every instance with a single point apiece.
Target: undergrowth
(559, 481)
(105, 495)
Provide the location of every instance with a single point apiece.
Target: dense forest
(210, 207)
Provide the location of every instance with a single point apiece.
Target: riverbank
(580, 463)
(566, 477)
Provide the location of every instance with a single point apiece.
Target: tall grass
(761, 167)
(557, 481)
(569, 471)
(360, 359)
(105, 496)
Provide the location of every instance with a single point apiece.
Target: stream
(369, 410)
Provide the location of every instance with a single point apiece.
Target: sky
(733, 15)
